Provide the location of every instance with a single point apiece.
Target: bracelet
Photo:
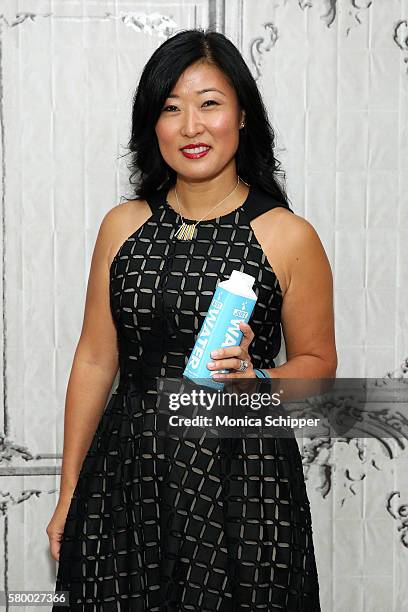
(259, 373)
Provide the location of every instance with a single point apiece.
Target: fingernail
(215, 353)
(210, 364)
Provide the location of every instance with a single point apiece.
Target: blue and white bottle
(233, 302)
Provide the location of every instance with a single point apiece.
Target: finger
(55, 546)
(232, 363)
(226, 353)
(248, 334)
(247, 374)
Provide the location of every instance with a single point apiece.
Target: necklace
(186, 230)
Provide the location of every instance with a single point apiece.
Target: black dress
(170, 525)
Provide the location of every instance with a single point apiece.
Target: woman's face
(193, 116)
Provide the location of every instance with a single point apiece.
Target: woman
(153, 523)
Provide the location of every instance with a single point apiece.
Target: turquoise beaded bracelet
(259, 373)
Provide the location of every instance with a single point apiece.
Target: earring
(242, 124)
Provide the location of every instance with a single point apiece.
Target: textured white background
(334, 76)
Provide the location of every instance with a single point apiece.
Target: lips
(195, 145)
(196, 152)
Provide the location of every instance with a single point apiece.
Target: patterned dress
(165, 524)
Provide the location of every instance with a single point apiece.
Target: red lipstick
(195, 150)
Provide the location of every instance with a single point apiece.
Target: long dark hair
(255, 159)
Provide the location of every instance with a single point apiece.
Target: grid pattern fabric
(160, 524)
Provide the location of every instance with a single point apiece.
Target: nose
(192, 124)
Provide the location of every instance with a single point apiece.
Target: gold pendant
(185, 231)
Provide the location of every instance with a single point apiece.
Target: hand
(230, 357)
(55, 528)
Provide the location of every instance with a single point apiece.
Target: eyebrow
(201, 91)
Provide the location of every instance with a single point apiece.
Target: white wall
(335, 81)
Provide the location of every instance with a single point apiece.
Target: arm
(94, 366)
(307, 311)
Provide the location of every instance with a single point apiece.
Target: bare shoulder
(302, 248)
(287, 240)
(298, 230)
(121, 221)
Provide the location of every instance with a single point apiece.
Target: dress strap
(156, 199)
(260, 201)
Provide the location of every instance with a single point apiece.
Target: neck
(197, 198)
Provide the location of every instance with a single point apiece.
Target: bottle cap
(242, 277)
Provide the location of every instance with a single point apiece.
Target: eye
(170, 106)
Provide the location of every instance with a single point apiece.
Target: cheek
(225, 128)
(164, 133)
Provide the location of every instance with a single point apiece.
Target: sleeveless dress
(160, 525)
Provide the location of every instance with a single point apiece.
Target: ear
(242, 116)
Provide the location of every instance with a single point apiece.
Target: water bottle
(232, 302)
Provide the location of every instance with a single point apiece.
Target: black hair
(255, 159)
